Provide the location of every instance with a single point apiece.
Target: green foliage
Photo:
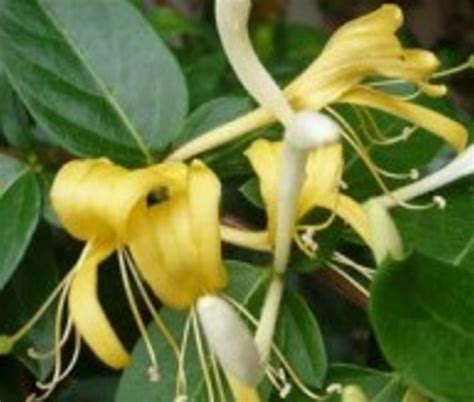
(130, 81)
(421, 312)
(19, 213)
(94, 75)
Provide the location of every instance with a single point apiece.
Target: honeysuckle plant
(192, 246)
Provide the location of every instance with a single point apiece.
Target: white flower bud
(310, 130)
(386, 241)
(230, 340)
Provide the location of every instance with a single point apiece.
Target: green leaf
(203, 76)
(422, 313)
(299, 337)
(97, 389)
(20, 204)
(444, 234)
(32, 283)
(251, 191)
(134, 383)
(212, 114)
(94, 75)
(13, 117)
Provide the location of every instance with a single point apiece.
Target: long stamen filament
(202, 358)
(361, 269)
(153, 370)
(218, 378)
(181, 382)
(37, 355)
(349, 279)
(461, 166)
(286, 364)
(146, 298)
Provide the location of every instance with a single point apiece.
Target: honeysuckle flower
(386, 239)
(360, 51)
(163, 222)
(321, 189)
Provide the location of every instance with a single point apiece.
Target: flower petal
(86, 312)
(449, 130)
(362, 48)
(386, 239)
(203, 201)
(348, 210)
(253, 240)
(176, 243)
(94, 197)
(264, 156)
(323, 173)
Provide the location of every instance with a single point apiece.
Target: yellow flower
(362, 49)
(320, 190)
(106, 206)
(163, 222)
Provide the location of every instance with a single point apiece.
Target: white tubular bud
(311, 130)
(386, 241)
(232, 23)
(459, 167)
(230, 340)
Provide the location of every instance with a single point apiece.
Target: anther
(285, 391)
(153, 374)
(414, 174)
(334, 388)
(440, 201)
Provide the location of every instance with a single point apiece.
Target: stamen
(181, 382)
(349, 279)
(306, 242)
(202, 359)
(56, 377)
(389, 198)
(459, 167)
(154, 313)
(334, 388)
(34, 354)
(456, 70)
(361, 269)
(291, 372)
(218, 378)
(153, 370)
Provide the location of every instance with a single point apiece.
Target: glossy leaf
(299, 337)
(94, 75)
(23, 296)
(445, 234)
(20, 204)
(422, 313)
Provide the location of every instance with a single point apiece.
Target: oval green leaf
(94, 74)
(20, 203)
(422, 311)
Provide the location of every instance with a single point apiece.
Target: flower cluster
(163, 221)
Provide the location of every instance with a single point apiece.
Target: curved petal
(348, 210)
(264, 156)
(323, 172)
(362, 48)
(94, 197)
(449, 130)
(203, 201)
(253, 240)
(386, 238)
(176, 243)
(86, 312)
